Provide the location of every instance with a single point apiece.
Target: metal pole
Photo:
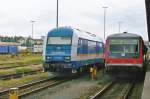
(104, 20)
(32, 29)
(57, 14)
(32, 22)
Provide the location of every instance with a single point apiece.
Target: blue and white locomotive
(71, 51)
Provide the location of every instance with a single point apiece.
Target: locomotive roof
(87, 35)
(124, 35)
(63, 31)
(68, 31)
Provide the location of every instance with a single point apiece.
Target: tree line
(24, 41)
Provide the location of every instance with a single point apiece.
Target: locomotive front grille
(61, 65)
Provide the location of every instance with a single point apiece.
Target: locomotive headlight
(67, 57)
(48, 57)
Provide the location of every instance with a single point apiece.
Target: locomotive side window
(91, 47)
(79, 50)
(99, 48)
(82, 46)
(85, 46)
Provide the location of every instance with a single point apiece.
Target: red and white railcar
(125, 53)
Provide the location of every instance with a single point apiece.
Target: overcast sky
(15, 16)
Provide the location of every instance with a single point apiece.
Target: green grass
(19, 70)
(23, 70)
(20, 60)
(19, 81)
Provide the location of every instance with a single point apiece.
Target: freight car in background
(125, 53)
(37, 46)
(8, 48)
(70, 51)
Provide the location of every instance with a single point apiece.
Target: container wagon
(8, 48)
(3, 49)
(12, 49)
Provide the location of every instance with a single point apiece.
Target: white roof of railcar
(87, 35)
(124, 35)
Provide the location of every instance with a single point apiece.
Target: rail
(34, 87)
(128, 91)
(106, 91)
(103, 90)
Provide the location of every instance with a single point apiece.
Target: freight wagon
(8, 48)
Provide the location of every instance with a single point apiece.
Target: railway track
(34, 87)
(115, 90)
(19, 75)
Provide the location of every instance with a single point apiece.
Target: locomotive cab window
(59, 40)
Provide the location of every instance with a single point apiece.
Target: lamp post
(104, 20)
(57, 14)
(32, 23)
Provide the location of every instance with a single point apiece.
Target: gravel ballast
(79, 88)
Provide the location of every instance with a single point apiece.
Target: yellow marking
(13, 93)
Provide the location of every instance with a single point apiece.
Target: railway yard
(66, 62)
(34, 84)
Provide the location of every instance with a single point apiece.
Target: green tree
(28, 42)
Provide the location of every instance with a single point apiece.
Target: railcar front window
(116, 48)
(124, 46)
(59, 40)
(131, 48)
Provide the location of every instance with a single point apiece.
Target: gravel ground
(75, 89)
